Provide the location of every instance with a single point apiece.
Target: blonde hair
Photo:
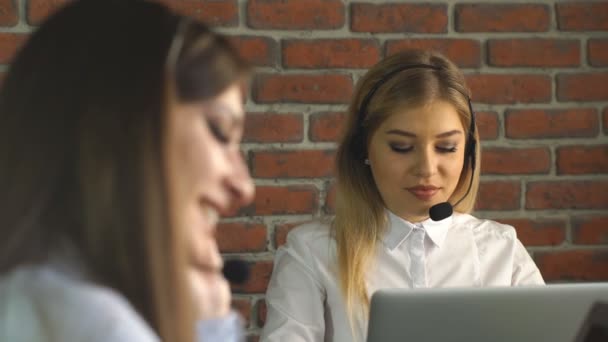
(360, 220)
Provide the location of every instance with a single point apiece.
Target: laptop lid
(500, 314)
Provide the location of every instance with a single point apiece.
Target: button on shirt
(304, 299)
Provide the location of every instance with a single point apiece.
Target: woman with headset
(407, 178)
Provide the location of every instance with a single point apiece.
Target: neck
(412, 218)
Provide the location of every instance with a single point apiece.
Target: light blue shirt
(56, 301)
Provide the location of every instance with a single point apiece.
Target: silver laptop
(552, 313)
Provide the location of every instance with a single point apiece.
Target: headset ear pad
(472, 146)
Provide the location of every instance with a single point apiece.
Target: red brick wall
(539, 76)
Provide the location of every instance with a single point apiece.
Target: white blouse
(304, 299)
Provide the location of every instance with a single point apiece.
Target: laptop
(553, 313)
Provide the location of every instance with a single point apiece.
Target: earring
(366, 161)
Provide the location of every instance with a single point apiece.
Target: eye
(217, 132)
(446, 149)
(399, 148)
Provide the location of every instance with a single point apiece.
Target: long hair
(83, 111)
(360, 220)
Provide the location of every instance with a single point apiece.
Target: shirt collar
(399, 229)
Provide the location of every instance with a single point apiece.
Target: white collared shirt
(304, 299)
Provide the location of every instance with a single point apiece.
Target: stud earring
(366, 161)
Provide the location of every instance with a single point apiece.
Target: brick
(466, 53)
(243, 306)
(590, 230)
(295, 14)
(10, 43)
(415, 18)
(506, 161)
(262, 312)
(498, 195)
(292, 164)
(237, 237)
(258, 51)
(273, 127)
(502, 18)
(281, 200)
(538, 232)
(211, 12)
(583, 16)
(487, 125)
(326, 126)
(582, 86)
(551, 123)
(303, 88)
(330, 53)
(566, 194)
(534, 52)
(509, 88)
(281, 231)
(9, 14)
(260, 272)
(38, 10)
(597, 52)
(573, 265)
(577, 160)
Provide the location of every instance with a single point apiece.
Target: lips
(203, 243)
(210, 211)
(424, 192)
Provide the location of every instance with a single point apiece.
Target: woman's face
(416, 156)
(207, 174)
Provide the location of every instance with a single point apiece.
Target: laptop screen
(595, 326)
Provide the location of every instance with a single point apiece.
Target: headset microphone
(236, 271)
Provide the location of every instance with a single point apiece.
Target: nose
(426, 163)
(238, 182)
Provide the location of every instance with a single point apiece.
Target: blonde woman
(120, 124)
(408, 157)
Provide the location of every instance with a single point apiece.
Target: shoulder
(485, 228)
(56, 304)
(310, 233)
(310, 243)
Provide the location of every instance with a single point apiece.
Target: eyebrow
(412, 135)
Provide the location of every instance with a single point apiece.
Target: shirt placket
(418, 258)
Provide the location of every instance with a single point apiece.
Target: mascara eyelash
(217, 132)
(401, 149)
(408, 149)
(447, 149)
